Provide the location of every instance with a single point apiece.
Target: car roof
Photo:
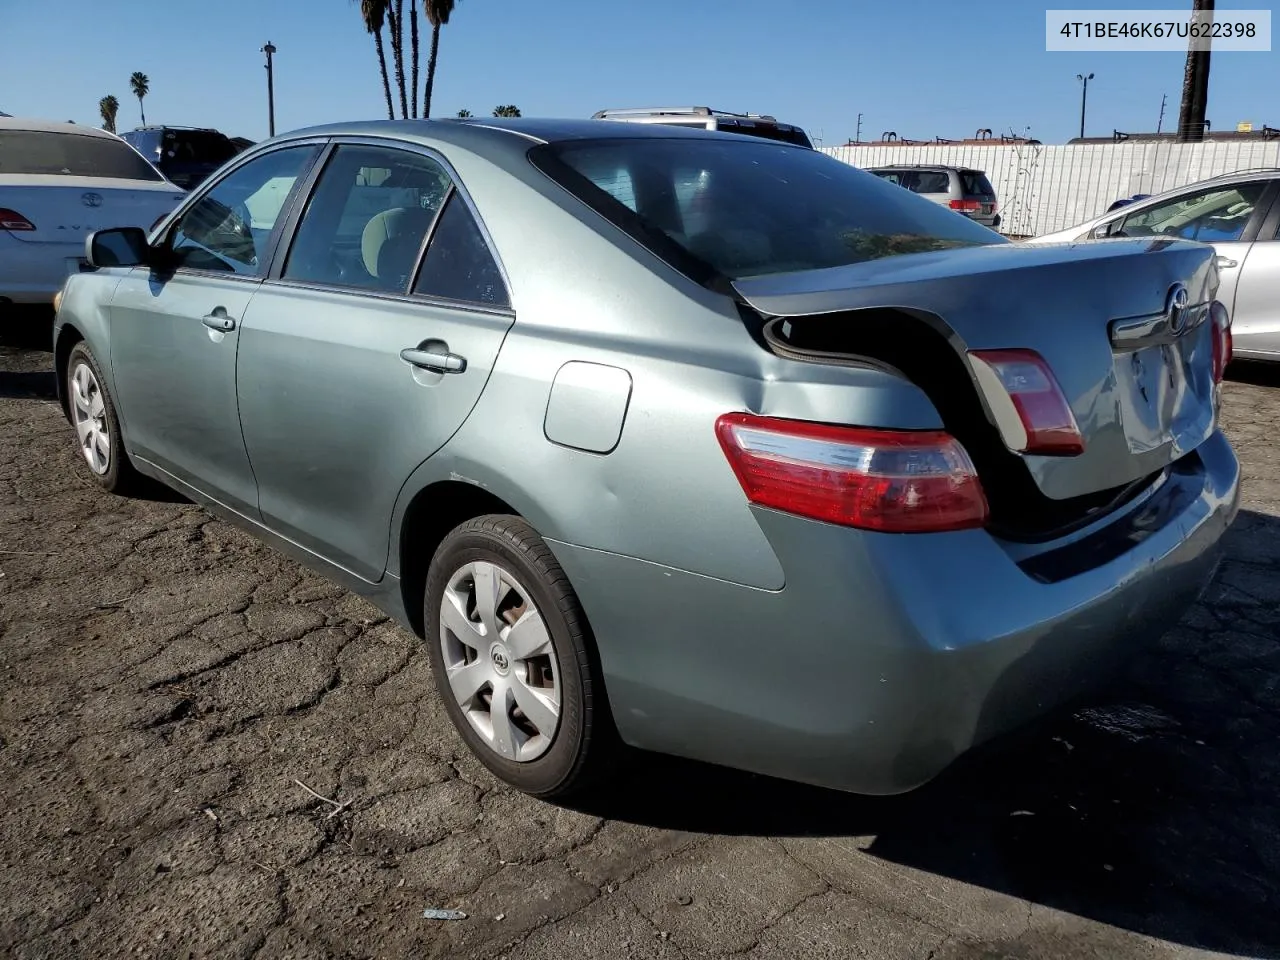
(509, 136)
(52, 126)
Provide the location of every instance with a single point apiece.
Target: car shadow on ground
(1257, 372)
(1154, 811)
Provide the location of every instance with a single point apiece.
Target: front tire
(93, 415)
(514, 660)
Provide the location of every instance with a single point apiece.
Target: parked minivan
(962, 189)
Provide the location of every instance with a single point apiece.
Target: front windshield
(750, 207)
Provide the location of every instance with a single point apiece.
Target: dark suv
(185, 155)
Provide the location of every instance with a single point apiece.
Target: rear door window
(71, 155)
(931, 181)
(366, 220)
(893, 176)
(976, 184)
(459, 264)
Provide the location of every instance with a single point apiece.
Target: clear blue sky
(924, 68)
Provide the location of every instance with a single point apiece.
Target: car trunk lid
(1142, 393)
(61, 212)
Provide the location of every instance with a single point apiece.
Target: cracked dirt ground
(165, 680)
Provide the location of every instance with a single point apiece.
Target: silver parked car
(684, 440)
(961, 189)
(705, 118)
(1239, 215)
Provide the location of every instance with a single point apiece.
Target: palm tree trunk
(386, 80)
(431, 69)
(143, 111)
(413, 51)
(397, 50)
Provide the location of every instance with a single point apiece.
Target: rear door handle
(218, 321)
(1226, 263)
(435, 362)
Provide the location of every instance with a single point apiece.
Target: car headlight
(57, 301)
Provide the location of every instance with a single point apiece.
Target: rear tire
(93, 415)
(514, 659)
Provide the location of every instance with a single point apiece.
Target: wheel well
(68, 337)
(433, 512)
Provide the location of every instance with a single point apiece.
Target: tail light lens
(1043, 423)
(1220, 320)
(895, 481)
(966, 206)
(14, 221)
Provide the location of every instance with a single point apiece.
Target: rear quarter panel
(583, 291)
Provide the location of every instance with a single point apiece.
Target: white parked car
(59, 182)
(1238, 214)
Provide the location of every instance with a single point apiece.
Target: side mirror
(117, 247)
(1100, 231)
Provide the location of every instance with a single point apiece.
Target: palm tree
(510, 110)
(108, 107)
(141, 86)
(395, 23)
(464, 113)
(413, 49)
(374, 15)
(438, 13)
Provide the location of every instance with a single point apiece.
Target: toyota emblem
(1176, 309)
(91, 199)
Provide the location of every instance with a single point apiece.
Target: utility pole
(1195, 80)
(1160, 122)
(1084, 94)
(857, 137)
(269, 49)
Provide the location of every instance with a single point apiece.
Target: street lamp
(1084, 93)
(269, 49)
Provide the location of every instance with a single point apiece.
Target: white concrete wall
(1046, 188)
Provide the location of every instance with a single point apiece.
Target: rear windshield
(71, 155)
(976, 184)
(748, 207)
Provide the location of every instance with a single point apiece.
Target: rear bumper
(34, 272)
(884, 658)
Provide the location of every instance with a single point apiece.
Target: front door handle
(1227, 263)
(435, 362)
(218, 321)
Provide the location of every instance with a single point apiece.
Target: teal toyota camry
(682, 441)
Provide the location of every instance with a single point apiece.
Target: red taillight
(1220, 320)
(896, 481)
(966, 206)
(1047, 425)
(13, 220)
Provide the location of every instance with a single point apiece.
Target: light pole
(1084, 94)
(269, 49)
